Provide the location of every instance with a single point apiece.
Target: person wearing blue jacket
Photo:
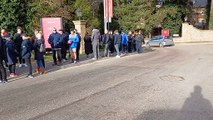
(73, 43)
(124, 42)
(26, 49)
(55, 40)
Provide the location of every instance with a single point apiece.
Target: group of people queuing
(119, 42)
(20, 48)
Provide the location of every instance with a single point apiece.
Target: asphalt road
(174, 83)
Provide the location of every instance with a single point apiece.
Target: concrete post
(80, 25)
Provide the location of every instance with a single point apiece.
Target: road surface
(173, 83)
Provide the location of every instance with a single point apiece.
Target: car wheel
(148, 45)
(161, 45)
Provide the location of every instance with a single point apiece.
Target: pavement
(172, 83)
(23, 71)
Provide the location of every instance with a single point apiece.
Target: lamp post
(79, 13)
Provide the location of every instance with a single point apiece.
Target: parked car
(160, 41)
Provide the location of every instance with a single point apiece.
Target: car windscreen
(157, 37)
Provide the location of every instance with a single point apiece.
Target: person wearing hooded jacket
(95, 43)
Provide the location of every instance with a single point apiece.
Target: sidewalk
(23, 72)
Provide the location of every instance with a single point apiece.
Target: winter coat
(18, 41)
(124, 39)
(117, 39)
(74, 39)
(37, 44)
(11, 52)
(55, 40)
(64, 38)
(2, 49)
(106, 39)
(88, 44)
(26, 49)
(139, 39)
(95, 36)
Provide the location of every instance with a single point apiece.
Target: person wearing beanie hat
(11, 55)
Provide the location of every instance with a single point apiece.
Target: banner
(165, 33)
(108, 8)
(47, 26)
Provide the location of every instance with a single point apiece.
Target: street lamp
(79, 13)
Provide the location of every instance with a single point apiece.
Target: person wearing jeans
(39, 54)
(55, 40)
(26, 53)
(124, 42)
(117, 41)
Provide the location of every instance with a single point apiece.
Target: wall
(192, 34)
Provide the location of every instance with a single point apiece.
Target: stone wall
(192, 34)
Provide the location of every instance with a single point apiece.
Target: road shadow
(196, 107)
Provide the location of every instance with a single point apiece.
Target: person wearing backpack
(39, 49)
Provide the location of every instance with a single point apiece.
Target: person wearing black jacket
(130, 42)
(18, 41)
(106, 41)
(3, 76)
(64, 48)
(26, 49)
(111, 42)
(88, 45)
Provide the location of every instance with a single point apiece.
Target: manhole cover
(172, 78)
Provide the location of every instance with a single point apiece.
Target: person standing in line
(111, 42)
(64, 38)
(39, 49)
(55, 41)
(95, 43)
(12, 55)
(124, 42)
(3, 34)
(139, 39)
(3, 75)
(18, 41)
(117, 41)
(73, 42)
(26, 49)
(88, 45)
(130, 41)
(106, 42)
(79, 44)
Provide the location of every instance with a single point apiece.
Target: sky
(201, 3)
